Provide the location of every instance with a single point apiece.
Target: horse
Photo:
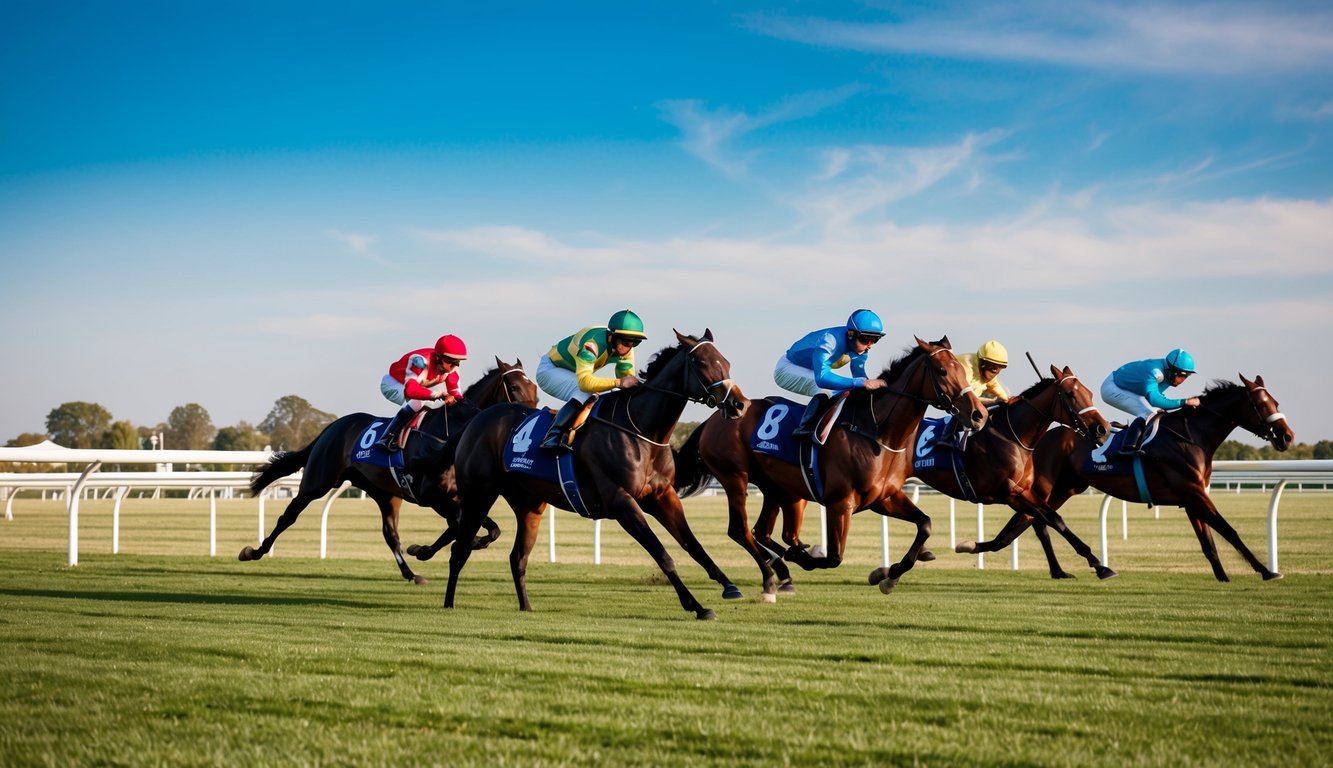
(1177, 463)
(863, 463)
(427, 456)
(997, 461)
(622, 462)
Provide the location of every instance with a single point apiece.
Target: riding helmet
(451, 346)
(866, 323)
(1180, 360)
(626, 323)
(993, 352)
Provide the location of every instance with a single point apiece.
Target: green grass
(162, 655)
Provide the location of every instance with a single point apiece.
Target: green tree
(1323, 449)
(22, 441)
(26, 439)
(189, 428)
(242, 437)
(78, 424)
(682, 433)
(121, 435)
(293, 423)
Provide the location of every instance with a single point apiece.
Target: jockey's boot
(1134, 436)
(810, 419)
(390, 440)
(561, 433)
(955, 436)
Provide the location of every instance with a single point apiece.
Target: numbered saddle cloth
(523, 453)
(367, 450)
(773, 435)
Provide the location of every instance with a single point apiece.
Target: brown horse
(997, 461)
(863, 463)
(621, 459)
(428, 456)
(1177, 463)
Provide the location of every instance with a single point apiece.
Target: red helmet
(451, 346)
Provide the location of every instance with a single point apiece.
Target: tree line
(290, 425)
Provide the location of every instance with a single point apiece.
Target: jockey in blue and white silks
(1138, 389)
(806, 368)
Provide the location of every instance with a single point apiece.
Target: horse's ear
(944, 342)
(919, 342)
(708, 334)
(1056, 371)
(499, 363)
(683, 338)
(518, 362)
(1246, 381)
(1259, 380)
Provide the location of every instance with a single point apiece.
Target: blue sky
(227, 203)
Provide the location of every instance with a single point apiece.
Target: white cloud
(1204, 39)
(361, 245)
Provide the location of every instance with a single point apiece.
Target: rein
(939, 402)
(707, 398)
(1066, 400)
(1266, 433)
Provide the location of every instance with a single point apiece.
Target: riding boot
(561, 433)
(1134, 436)
(390, 440)
(955, 436)
(810, 419)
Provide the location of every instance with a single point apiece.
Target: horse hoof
(705, 614)
(481, 543)
(1062, 575)
(787, 587)
(966, 548)
(1272, 576)
(731, 592)
(886, 586)
(418, 579)
(768, 597)
(878, 575)
(247, 555)
(926, 556)
(1105, 573)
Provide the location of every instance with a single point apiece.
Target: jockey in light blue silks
(807, 368)
(1138, 389)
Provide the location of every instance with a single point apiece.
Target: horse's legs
(427, 551)
(289, 515)
(897, 504)
(1043, 534)
(671, 514)
(1203, 516)
(475, 508)
(389, 507)
(839, 521)
(793, 517)
(527, 523)
(738, 530)
(630, 517)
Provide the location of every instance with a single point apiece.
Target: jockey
(567, 371)
(806, 368)
(423, 378)
(1137, 388)
(983, 377)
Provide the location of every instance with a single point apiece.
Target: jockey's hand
(625, 382)
(1193, 402)
(449, 399)
(875, 384)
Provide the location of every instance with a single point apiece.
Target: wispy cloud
(1203, 39)
(361, 245)
(712, 134)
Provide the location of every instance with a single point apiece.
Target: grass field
(161, 655)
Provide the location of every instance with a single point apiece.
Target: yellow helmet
(994, 352)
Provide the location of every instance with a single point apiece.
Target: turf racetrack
(162, 655)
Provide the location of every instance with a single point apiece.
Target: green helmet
(626, 323)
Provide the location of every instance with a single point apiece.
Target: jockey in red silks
(423, 378)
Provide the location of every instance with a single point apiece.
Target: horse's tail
(280, 466)
(691, 472)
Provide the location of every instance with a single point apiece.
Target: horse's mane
(1032, 391)
(895, 369)
(659, 361)
(479, 386)
(1220, 388)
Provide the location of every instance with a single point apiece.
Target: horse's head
(1269, 423)
(1078, 406)
(711, 382)
(518, 388)
(946, 386)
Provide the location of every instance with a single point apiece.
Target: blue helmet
(1180, 360)
(866, 323)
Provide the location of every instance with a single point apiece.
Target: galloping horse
(428, 456)
(622, 463)
(997, 461)
(863, 463)
(1177, 463)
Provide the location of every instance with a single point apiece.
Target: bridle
(941, 401)
(1066, 400)
(706, 389)
(504, 385)
(1267, 432)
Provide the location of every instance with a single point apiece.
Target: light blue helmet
(1180, 360)
(866, 323)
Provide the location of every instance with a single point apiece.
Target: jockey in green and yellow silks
(568, 371)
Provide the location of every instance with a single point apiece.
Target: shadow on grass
(187, 598)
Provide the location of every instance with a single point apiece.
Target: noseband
(707, 396)
(941, 401)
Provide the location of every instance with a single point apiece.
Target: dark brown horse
(428, 456)
(622, 461)
(997, 461)
(863, 463)
(1177, 464)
